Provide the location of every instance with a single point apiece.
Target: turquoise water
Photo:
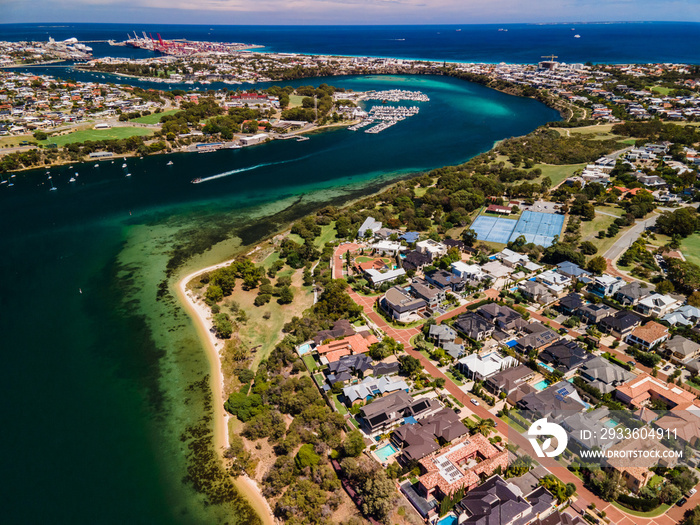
(448, 520)
(303, 349)
(541, 385)
(385, 452)
(107, 406)
(611, 423)
(547, 367)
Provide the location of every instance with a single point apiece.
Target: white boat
(124, 165)
(76, 173)
(577, 36)
(97, 165)
(128, 174)
(170, 163)
(72, 179)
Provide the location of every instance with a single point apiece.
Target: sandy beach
(201, 314)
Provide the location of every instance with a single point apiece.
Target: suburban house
(606, 285)
(604, 375)
(631, 293)
(583, 429)
(657, 305)
(570, 303)
(557, 282)
(684, 424)
(620, 324)
(497, 501)
(571, 270)
(538, 337)
(502, 316)
(635, 472)
(648, 335)
(536, 292)
(441, 334)
(432, 248)
(509, 380)
(474, 326)
(512, 259)
(370, 225)
(479, 368)
(381, 414)
(398, 303)
(644, 388)
(355, 344)
(554, 402)
(565, 356)
(370, 388)
(471, 272)
(345, 368)
(445, 280)
(432, 295)
(687, 315)
(594, 313)
(681, 350)
(391, 248)
(424, 437)
(341, 328)
(415, 261)
(377, 277)
(459, 466)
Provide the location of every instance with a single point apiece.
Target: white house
(386, 247)
(657, 305)
(479, 367)
(430, 247)
(471, 272)
(554, 280)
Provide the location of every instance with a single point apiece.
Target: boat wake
(241, 170)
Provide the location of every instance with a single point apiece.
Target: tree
(378, 493)
(485, 427)
(669, 493)
(664, 287)
(410, 365)
(213, 294)
(469, 237)
(694, 299)
(386, 347)
(286, 295)
(354, 444)
(306, 457)
(597, 265)
(682, 222)
(692, 517)
(684, 275)
(588, 248)
(223, 326)
(262, 299)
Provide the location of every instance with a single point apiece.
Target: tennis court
(493, 229)
(538, 228)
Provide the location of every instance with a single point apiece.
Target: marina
(387, 116)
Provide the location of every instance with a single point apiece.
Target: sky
(241, 12)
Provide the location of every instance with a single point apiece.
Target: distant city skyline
(346, 12)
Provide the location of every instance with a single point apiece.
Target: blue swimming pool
(611, 423)
(448, 520)
(385, 452)
(541, 385)
(547, 367)
(305, 348)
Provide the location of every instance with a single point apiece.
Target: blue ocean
(638, 42)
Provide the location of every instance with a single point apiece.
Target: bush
(262, 299)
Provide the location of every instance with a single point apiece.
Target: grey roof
(538, 337)
(633, 291)
(591, 421)
(399, 300)
(555, 402)
(565, 356)
(473, 325)
(681, 345)
(424, 291)
(341, 328)
(570, 269)
(500, 315)
(572, 301)
(443, 332)
(414, 260)
(596, 311)
(382, 369)
(509, 378)
(359, 362)
(419, 439)
(443, 278)
(621, 321)
(369, 224)
(604, 375)
(454, 349)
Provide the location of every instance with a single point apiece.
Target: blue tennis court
(538, 228)
(493, 229)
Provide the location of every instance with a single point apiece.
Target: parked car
(681, 502)
(692, 491)
(667, 367)
(475, 402)
(632, 363)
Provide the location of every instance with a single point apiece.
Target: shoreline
(200, 316)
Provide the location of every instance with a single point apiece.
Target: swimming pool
(541, 385)
(448, 520)
(303, 349)
(547, 367)
(611, 423)
(384, 452)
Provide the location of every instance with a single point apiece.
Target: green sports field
(97, 134)
(154, 118)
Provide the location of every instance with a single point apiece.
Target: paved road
(627, 238)
(403, 335)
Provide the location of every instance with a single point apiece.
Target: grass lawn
(327, 235)
(320, 380)
(271, 259)
(691, 248)
(655, 481)
(296, 238)
(514, 424)
(295, 101)
(660, 89)
(453, 378)
(97, 134)
(154, 118)
(310, 362)
(590, 229)
(339, 406)
(557, 173)
(15, 140)
(658, 511)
